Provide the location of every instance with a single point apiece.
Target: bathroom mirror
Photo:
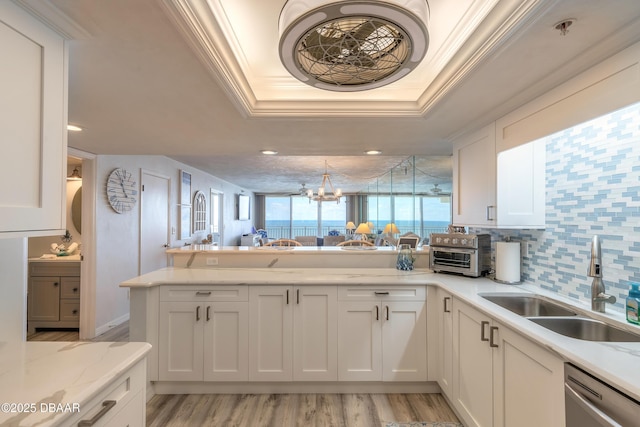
(76, 210)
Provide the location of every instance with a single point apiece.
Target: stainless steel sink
(528, 305)
(584, 328)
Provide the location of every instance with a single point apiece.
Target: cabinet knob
(74, 312)
(75, 289)
(55, 283)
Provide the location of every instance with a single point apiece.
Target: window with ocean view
(288, 217)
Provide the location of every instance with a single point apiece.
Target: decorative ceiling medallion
(354, 45)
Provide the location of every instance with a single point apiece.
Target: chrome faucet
(598, 297)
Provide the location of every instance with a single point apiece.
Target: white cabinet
(500, 378)
(444, 308)
(203, 333)
(382, 334)
(293, 333)
(315, 333)
(33, 125)
(271, 333)
(122, 402)
(474, 178)
(503, 189)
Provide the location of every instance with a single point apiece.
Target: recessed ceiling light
(372, 152)
(269, 152)
(74, 128)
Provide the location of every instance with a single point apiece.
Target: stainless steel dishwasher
(590, 402)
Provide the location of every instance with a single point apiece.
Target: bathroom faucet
(598, 297)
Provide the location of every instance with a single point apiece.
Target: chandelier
(333, 195)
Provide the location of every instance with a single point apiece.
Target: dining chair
(283, 242)
(355, 243)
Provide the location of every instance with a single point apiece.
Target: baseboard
(112, 324)
(184, 387)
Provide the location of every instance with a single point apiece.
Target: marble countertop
(212, 249)
(616, 363)
(35, 373)
(54, 258)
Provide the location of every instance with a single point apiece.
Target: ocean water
(281, 228)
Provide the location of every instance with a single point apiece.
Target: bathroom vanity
(53, 299)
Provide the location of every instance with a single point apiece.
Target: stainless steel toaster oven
(466, 254)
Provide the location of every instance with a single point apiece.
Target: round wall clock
(122, 191)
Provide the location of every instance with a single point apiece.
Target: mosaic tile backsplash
(592, 187)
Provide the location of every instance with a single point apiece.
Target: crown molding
(53, 18)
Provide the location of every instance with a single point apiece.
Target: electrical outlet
(212, 261)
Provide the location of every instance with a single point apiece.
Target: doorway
(216, 210)
(154, 221)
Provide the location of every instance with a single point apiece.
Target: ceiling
(201, 82)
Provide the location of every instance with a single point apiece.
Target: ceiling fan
(437, 191)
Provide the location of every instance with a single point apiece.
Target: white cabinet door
(472, 373)
(180, 342)
(33, 85)
(315, 333)
(270, 333)
(404, 341)
(528, 383)
(226, 341)
(474, 178)
(445, 342)
(359, 341)
(521, 186)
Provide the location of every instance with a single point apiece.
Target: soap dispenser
(633, 301)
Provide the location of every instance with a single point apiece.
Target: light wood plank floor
(335, 410)
(277, 410)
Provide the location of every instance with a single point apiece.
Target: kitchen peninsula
(195, 256)
(254, 330)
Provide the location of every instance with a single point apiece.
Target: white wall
(13, 289)
(117, 235)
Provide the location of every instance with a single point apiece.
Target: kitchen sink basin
(528, 305)
(584, 328)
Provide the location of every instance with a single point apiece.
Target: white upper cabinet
(33, 83)
(498, 189)
(474, 178)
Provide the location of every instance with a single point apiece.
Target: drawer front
(54, 268)
(70, 287)
(204, 293)
(385, 293)
(70, 311)
(127, 388)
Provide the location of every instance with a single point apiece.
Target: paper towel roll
(508, 262)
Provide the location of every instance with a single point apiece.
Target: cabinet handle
(203, 294)
(482, 335)
(491, 336)
(446, 310)
(287, 296)
(55, 283)
(387, 308)
(75, 289)
(74, 312)
(106, 407)
(382, 293)
(377, 313)
(208, 313)
(297, 296)
(197, 313)
(489, 218)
